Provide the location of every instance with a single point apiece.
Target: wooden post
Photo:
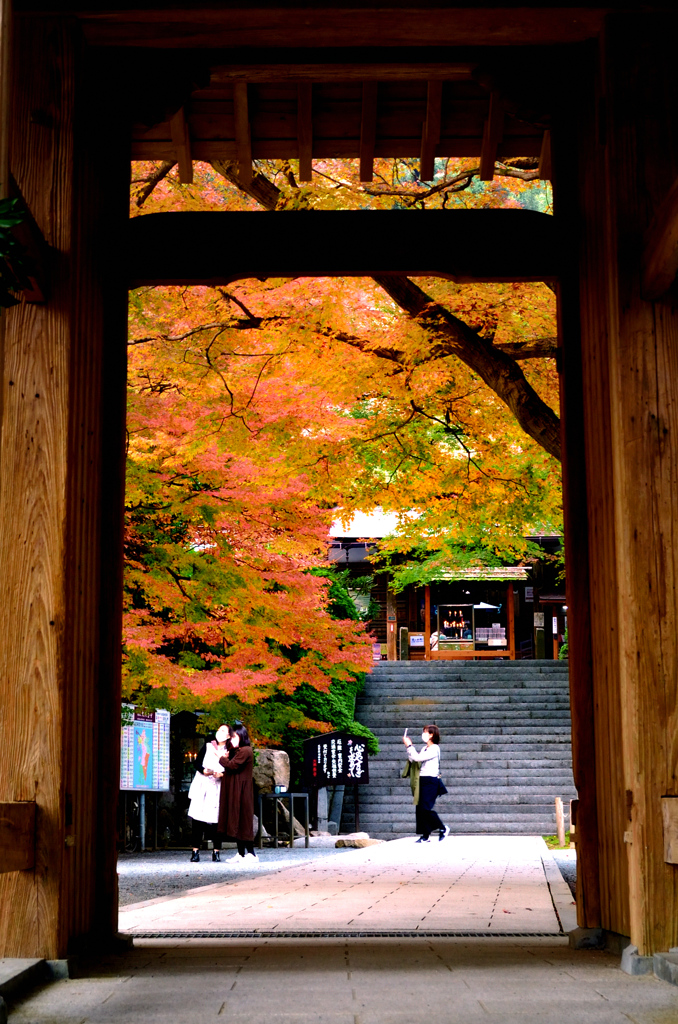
(61, 501)
(574, 132)
(511, 622)
(427, 622)
(621, 410)
(639, 83)
(560, 822)
(391, 626)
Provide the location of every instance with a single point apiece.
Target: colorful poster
(143, 755)
(144, 750)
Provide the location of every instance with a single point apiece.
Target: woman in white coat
(204, 794)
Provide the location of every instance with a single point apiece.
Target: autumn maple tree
(257, 410)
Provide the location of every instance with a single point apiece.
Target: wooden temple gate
(593, 92)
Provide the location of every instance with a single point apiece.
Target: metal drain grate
(330, 934)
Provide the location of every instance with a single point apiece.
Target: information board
(336, 759)
(144, 750)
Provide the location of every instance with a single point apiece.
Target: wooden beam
(431, 131)
(545, 171)
(342, 72)
(327, 25)
(427, 622)
(368, 130)
(305, 130)
(660, 250)
(17, 836)
(391, 625)
(181, 140)
(460, 245)
(493, 131)
(243, 139)
(330, 148)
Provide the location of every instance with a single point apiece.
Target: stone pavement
(480, 884)
(354, 981)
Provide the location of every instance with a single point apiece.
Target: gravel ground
(567, 862)
(146, 876)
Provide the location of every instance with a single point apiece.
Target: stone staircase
(505, 743)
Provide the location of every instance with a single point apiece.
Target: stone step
(506, 744)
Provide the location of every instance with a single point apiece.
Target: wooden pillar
(427, 623)
(60, 499)
(511, 622)
(639, 86)
(581, 523)
(622, 559)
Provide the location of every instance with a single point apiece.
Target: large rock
(272, 769)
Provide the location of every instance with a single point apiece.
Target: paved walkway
(355, 981)
(477, 884)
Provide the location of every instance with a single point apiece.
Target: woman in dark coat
(236, 808)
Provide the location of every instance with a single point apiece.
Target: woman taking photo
(204, 794)
(236, 809)
(430, 783)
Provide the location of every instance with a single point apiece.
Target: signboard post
(337, 759)
(144, 756)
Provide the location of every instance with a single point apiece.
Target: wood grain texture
(17, 836)
(576, 515)
(641, 152)
(59, 730)
(596, 260)
(33, 461)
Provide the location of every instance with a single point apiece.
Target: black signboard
(336, 759)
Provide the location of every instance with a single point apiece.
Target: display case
(455, 628)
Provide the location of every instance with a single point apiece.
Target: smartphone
(405, 734)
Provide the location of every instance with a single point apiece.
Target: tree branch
(498, 370)
(155, 179)
(450, 336)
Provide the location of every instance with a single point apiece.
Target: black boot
(195, 857)
(215, 855)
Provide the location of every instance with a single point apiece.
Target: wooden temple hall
(87, 86)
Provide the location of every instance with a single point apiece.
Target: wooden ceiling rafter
(305, 130)
(181, 140)
(368, 130)
(344, 72)
(362, 120)
(323, 25)
(492, 135)
(545, 168)
(430, 136)
(243, 135)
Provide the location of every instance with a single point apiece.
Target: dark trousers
(245, 847)
(203, 829)
(427, 818)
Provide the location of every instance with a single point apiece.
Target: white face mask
(222, 734)
(425, 737)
